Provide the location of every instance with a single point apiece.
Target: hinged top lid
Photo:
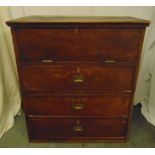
(76, 19)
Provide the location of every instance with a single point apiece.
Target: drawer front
(78, 44)
(77, 105)
(48, 128)
(70, 78)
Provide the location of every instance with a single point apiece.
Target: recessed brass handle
(78, 78)
(78, 128)
(46, 60)
(110, 61)
(78, 106)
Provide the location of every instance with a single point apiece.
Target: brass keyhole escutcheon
(78, 77)
(78, 127)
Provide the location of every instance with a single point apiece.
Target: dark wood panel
(76, 78)
(78, 44)
(135, 78)
(78, 105)
(41, 128)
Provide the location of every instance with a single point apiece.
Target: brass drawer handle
(78, 128)
(46, 60)
(78, 106)
(78, 78)
(110, 61)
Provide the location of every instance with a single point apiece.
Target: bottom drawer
(75, 128)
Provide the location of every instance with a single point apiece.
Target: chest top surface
(46, 20)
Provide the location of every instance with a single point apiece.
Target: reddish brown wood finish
(135, 78)
(77, 105)
(88, 86)
(60, 78)
(64, 44)
(59, 128)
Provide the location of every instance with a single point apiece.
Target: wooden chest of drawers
(77, 75)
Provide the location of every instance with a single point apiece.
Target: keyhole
(77, 70)
(77, 122)
(76, 30)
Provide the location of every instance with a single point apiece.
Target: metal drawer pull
(78, 106)
(78, 78)
(46, 60)
(78, 128)
(110, 61)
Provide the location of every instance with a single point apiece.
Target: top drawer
(78, 44)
